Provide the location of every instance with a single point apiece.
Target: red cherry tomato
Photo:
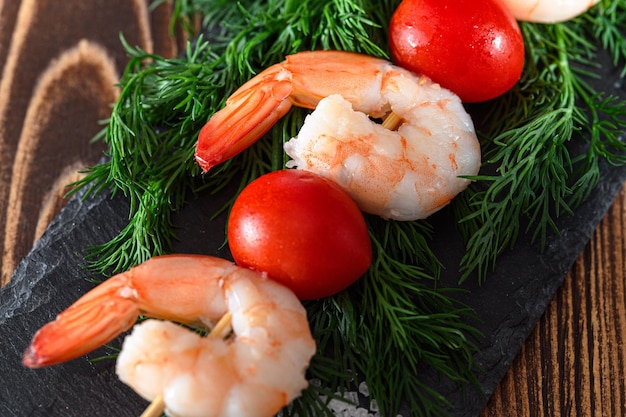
(303, 230)
(472, 47)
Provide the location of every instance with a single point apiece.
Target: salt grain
(346, 403)
(374, 406)
(364, 389)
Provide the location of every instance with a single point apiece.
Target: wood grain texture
(59, 61)
(574, 362)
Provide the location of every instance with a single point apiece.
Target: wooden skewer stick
(392, 121)
(221, 326)
(157, 406)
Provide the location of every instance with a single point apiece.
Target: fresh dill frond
(608, 24)
(390, 330)
(151, 136)
(531, 173)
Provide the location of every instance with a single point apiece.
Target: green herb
(396, 318)
(534, 176)
(388, 330)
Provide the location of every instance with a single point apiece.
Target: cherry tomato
(472, 47)
(303, 230)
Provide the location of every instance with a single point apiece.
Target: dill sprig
(396, 322)
(151, 135)
(531, 173)
(389, 330)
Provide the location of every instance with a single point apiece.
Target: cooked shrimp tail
(95, 319)
(302, 80)
(114, 306)
(248, 115)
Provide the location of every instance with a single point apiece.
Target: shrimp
(255, 372)
(548, 11)
(302, 80)
(403, 175)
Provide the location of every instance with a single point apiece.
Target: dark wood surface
(60, 61)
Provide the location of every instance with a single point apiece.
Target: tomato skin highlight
(472, 47)
(303, 230)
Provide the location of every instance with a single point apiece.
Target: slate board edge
(32, 269)
(577, 237)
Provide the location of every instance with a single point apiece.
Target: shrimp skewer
(548, 11)
(256, 372)
(403, 175)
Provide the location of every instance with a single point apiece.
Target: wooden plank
(574, 362)
(53, 95)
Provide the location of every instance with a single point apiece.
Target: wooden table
(60, 60)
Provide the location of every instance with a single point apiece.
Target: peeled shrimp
(548, 11)
(404, 175)
(256, 372)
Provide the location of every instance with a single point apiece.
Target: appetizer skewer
(406, 174)
(256, 372)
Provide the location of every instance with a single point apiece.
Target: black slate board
(51, 277)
